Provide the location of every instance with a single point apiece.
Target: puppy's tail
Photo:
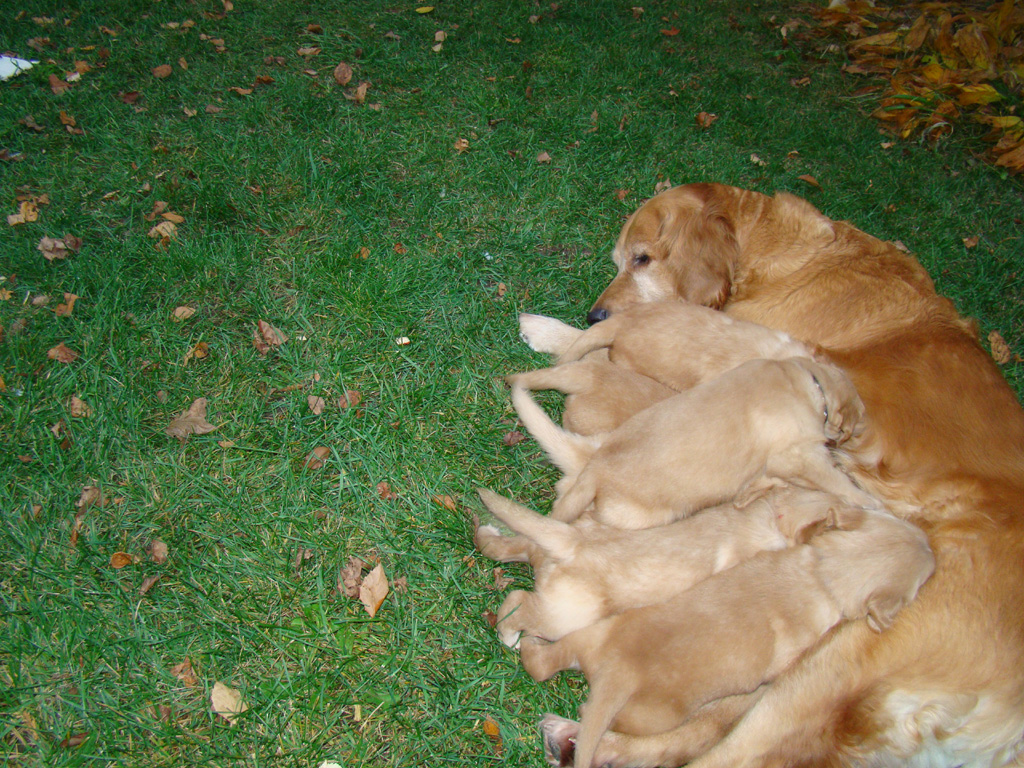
(597, 336)
(555, 538)
(567, 451)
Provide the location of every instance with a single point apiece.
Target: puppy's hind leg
(491, 543)
(568, 379)
(546, 334)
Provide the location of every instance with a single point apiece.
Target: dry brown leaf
(119, 560)
(706, 119)
(240, 91)
(342, 74)
(57, 85)
(493, 732)
(445, 501)
(67, 307)
(157, 551)
(190, 422)
(58, 248)
(512, 438)
(351, 577)
(78, 408)
(198, 352)
(350, 399)
(501, 581)
(182, 313)
(163, 71)
(62, 354)
(971, 242)
(185, 674)
(1001, 352)
(317, 457)
(543, 157)
(309, 50)
(165, 229)
(266, 337)
(148, 582)
(227, 702)
(461, 145)
(384, 491)
(373, 590)
(807, 178)
(316, 404)
(28, 211)
(174, 218)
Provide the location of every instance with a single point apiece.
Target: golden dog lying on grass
(944, 446)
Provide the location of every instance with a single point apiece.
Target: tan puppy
(762, 420)
(586, 571)
(681, 344)
(944, 445)
(650, 668)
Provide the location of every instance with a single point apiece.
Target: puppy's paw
(546, 334)
(559, 737)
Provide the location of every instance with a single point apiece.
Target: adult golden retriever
(945, 448)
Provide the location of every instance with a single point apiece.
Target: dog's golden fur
(649, 668)
(944, 446)
(586, 571)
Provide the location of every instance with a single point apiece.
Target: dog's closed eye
(641, 259)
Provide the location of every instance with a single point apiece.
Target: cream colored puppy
(763, 421)
(650, 668)
(585, 571)
(681, 344)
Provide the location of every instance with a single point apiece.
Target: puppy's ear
(882, 610)
(844, 517)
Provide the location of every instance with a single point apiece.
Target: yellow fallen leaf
(227, 702)
(425, 9)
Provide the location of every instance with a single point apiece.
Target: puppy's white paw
(546, 334)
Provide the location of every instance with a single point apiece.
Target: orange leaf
(163, 71)
(119, 560)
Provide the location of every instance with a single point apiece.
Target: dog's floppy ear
(703, 250)
(882, 610)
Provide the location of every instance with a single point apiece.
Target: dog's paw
(546, 334)
(559, 736)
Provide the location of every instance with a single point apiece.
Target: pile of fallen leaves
(940, 63)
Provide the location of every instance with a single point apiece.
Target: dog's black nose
(597, 314)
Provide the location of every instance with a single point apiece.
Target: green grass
(279, 191)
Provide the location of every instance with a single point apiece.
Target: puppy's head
(844, 408)
(680, 244)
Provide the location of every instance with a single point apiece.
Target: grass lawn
(392, 232)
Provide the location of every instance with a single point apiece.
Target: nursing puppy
(650, 668)
(681, 344)
(764, 420)
(586, 571)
